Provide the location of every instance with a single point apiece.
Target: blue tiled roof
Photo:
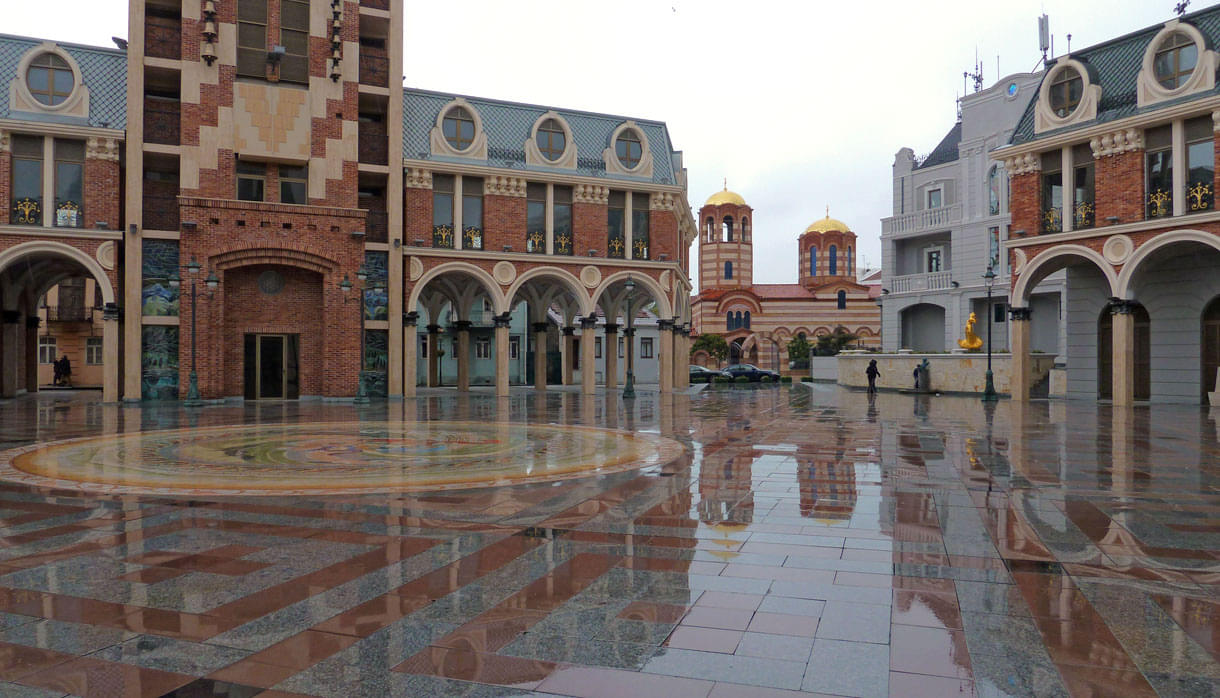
(103, 70)
(1115, 66)
(508, 127)
(946, 150)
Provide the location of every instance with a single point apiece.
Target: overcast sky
(800, 104)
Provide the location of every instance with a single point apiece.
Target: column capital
(540, 326)
(629, 332)
(417, 178)
(665, 325)
(610, 327)
(6, 141)
(434, 329)
(102, 149)
(504, 320)
(588, 323)
(569, 331)
(410, 319)
(111, 311)
(1019, 314)
(462, 325)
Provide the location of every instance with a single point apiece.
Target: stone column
(611, 342)
(679, 367)
(31, 352)
(1123, 347)
(665, 339)
(463, 355)
(587, 357)
(1019, 368)
(629, 348)
(110, 353)
(502, 323)
(539, 329)
(565, 355)
(10, 352)
(410, 352)
(434, 346)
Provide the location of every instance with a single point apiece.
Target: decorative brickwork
(1119, 187)
(590, 225)
(503, 223)
(1025, 203)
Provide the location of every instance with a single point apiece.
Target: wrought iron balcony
(69, 313)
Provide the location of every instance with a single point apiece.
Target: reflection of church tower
(827, 250)
(726, 256)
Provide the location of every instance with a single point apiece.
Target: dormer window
(1066, 91)
(628, 148)
(459, 128)
(1175, 60)
(50, 79)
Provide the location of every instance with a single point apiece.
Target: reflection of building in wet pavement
(827, 482)
(725, 491)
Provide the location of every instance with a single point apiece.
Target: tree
(713, 344)
(798, 348)
(831, 344)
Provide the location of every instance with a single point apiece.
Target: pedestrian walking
(872, 372)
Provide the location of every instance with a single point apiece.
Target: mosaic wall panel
(160, 260)
(159, 363)
(376, 294)
(376, 362)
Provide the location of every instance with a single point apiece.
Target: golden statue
(972, 341)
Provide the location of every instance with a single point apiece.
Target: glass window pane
(39, 80)
(472, 210)
(251, 35)
(252, 10)
(295, 15)
(63, 82)
(27, 179)
(442, 209)
(249, 189)
(535, 216)
(293, 192)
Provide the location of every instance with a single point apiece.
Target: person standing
(872, 372)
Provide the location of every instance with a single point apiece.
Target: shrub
(722, 379)
(741, 379)
(765, 379)
(805, 379)
(786, 379)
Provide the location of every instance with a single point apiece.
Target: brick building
(1113, 179)
(758, 320)
(256, 200)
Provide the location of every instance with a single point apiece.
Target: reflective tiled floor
(808, 540)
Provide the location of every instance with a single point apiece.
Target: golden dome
(725, 197)
(828, 225)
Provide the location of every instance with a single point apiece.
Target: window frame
(286, 180)
(94, 351)
(646, 348)
(459, 114)
(45, 342)
(1060, 88)
(38, 212)
(52, 69)
(1178, 77)
(552, 128)
(255, 54)
(482, 348)
(625, 158)
(250, 175)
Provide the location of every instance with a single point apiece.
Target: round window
(50, 79)
(1175, 60)
(1012, 89)
(629, 149)
(271, 282)
(1066, 90)
(458, 126)
(551, 139)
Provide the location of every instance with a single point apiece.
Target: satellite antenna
(1044, 35)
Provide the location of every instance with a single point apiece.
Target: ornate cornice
(1117, 142)
(591, 194)
(504, 186)
(417, 178)
(102, 149)
(6, 142)
(662, 201)
(1023, 164)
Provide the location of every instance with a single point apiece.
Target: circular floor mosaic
(333, 458)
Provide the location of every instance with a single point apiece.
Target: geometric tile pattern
(1028, 550)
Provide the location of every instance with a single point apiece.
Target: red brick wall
(591, 226)
(1024, 202)
(1119, 185)
(503, 222)
(102, 178)
(294, 310)
(663, 235)
(417, 218)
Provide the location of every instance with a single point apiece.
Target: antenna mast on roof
(1044, 36)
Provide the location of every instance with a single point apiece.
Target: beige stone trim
(102, 149)
(591, 194)
(1117, 142)
(643, 168)
(440, 146)
(534, 156)
(417, 178)
(1149, 91)
(501, 185)
(6, 142)
(662, 201)
(21, 99)
(1023, 164)
(1045, 119)
(504, 272)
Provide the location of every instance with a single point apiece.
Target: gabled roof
(946, 150)
(103, 70)
(1115, 66)
(508, 126)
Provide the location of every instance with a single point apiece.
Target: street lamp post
(193, 398)
(629, 388)
(345, 285)
(989, 393)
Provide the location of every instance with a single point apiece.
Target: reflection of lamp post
(346, 286)
(192, 391)
(629, 388)
(989, 393)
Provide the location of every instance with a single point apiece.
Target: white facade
(950, 218)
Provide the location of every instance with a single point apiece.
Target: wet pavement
(805, 540)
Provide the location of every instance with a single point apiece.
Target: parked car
(754, 373)
(699, 374)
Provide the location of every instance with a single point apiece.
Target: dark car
(699, 374)
(754, 373)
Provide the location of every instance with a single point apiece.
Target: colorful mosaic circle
(333, 458)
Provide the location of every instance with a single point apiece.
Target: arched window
(728, 270)
(737, 320)
(747, 320)
(834, 260)
(813, 261)
(711, 229)
(993, 191)
(728, 321)
(851, 260)
(842, 299)
(727, 229)
(745, 229)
